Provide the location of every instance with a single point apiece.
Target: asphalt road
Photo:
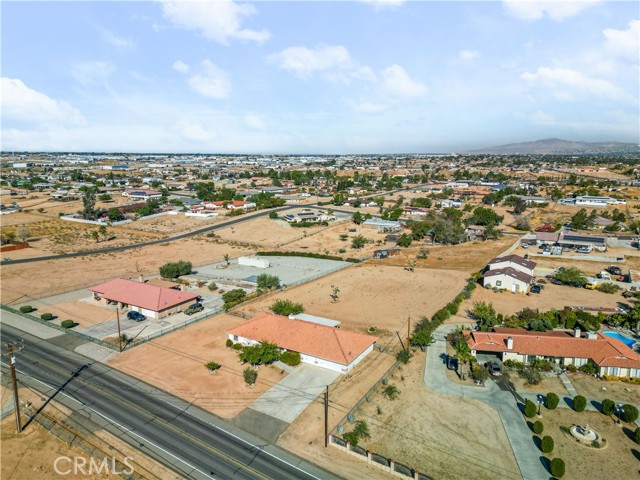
(191, 442)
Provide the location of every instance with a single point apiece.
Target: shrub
(636, 435)
(212, 287)
(608, 287)
(249, 375)
(228, 343)
(233, 298)
(629, 413)
(273, 214)
(267, 282)
(608, 406)
(237, 346)
(589, 368)
(531, 375)
(557, 467)
(572, 368)
(546, 445)
(391, 392)
(538, 427)
(175, 269)
(67, 324)
(26, 309)
(403, 356)
(290, 358)
(46, 316)
(530, 409)
(579, 403)
(552, 401)
(212, 366)
(513, 364)
(286, 307)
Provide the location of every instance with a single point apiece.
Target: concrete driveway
(295, 392)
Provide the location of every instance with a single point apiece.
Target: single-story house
(387, 252)
(611, 356)
(320, 345)
(150, 300)
(240, 205)
(141, 194)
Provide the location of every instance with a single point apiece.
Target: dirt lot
(176, 362)
(620, 459)
(372, 296)
(469, 257)
(552, 296)
(172, 224)
(435, 434)
(594, 388)
(83, 313)
(35, 280)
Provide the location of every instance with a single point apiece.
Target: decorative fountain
(587, 436)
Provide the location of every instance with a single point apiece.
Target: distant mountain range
(557, 146)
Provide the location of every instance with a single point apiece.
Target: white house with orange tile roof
(320, 345)
(240, 205)
(150, 300)
(611, 356)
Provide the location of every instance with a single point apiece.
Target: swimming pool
(629, 342)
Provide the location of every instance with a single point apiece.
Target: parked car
(494, 368)
(195, 308)
(452, 363)
(536, 289)
(136, 316)
(591, 285)
(614, 270)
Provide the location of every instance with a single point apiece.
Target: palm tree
(226, 258)
(361, 429)
(464, 356)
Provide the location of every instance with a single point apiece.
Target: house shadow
(597, 405)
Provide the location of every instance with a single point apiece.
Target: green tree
(233, 297)
(485, 314)
(250, 376)
(286, 307)
(115, 215)
(485, 216)
(358, 218)
(404, 240)
(480, 373)
(421, 338)
(552, 400)
(105, 197)
(629, 413)
(88, 204)
(267, 282)
(546, 444)
(212, 366)
(102, 230)
(608, 407)
(530, 409)
(538, 427)
(579, 403)
(519, 206)
(361, 429)
(557, 467)
(580, 220)
(175, 269)
(95, 235)
(571, 276)
(358, 242)
(264, 353)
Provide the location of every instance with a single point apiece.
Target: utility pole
(326, 417)
(16, 400)
(409, 331)
(119, 336)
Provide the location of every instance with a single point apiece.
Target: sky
(326, 77)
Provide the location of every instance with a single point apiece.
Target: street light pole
(619, 412)
(539, 404)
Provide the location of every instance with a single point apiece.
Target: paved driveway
(518, 433)
(295, 392)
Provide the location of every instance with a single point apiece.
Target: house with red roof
(320, 345)
(150, 300)
(240, 205)
(611, 356)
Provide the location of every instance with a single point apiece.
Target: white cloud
(556, 10)
(396, 83)
(219, 20)
(368, 107)
(623, 44)
(92, 72)
(542, 118)
(23, 104)
(254, 122)
(141, 77)
(191, 131)
(332, 60)
(210, 81)
(567, 84)
(180, 66)
(468, 54)
(121, 43)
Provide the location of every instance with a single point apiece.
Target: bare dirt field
(594, 388)
(372, 296)
(40, 279)
(172, 224)
(176, 362)
(83, 313)
(435, 434)
(548, 384)
(619, 460)
(552, 296)
(265, 232)
(469, 257)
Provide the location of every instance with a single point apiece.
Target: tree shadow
(568, 401)
(630, 433)
(636, 453)
(597, 405)
(521, 407)
(546, 463)
(530, 425)
(537, 441)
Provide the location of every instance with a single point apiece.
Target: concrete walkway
(568, 385)
(515, 425)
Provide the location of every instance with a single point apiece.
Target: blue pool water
(627, 341)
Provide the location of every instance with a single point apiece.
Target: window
(498, 283)
(235, 338)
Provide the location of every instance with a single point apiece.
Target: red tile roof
(142, 295)
(328, 343)
(604, 351)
